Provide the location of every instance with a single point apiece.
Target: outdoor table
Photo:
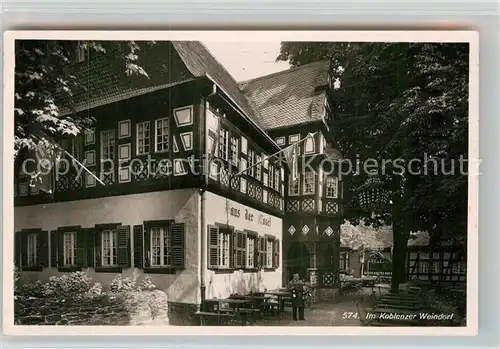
(280, 295)
(236, 303)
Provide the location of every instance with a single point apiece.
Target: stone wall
(133, 308)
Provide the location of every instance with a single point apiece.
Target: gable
(288, 98)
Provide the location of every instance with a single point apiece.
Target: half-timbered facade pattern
(166, 173)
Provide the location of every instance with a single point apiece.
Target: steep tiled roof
(200, 62)
(103, 80)
(277, 100)
(289, 97)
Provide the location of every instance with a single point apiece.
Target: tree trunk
(402, 224)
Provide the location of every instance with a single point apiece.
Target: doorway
(297, 261)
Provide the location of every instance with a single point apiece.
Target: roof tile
(290, 97)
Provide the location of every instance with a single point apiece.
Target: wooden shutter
(53, 248)
(81, 248)
(138, 246)
(243, 248)
(178, 237)
(123, 239)
(24, 248)
(60, 248)
(147, 248)
(276, 253)
(236, 251)
(230, 234)
(239, 249)
(262, 252)
(17, 248)
(43, 248)
(90, 236)
(213, 244)
(97, 249)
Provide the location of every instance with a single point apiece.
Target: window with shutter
(164, 246)
(69, 248)
(222, 248)
(34, 249)
(251, 249)
(111, 246)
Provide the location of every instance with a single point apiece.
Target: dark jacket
(298, 294)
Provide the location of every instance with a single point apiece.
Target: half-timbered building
(169, 187)
(292, 105)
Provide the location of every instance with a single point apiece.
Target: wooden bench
(221, 317)
(244, 312)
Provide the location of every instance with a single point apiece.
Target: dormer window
(80, 52)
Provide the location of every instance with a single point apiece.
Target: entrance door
(297, 261)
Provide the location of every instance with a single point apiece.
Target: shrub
(68, 286)
(17, 280)
(122, 284)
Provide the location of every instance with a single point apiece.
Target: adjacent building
(172, 190)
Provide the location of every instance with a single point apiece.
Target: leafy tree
(400, 101)
(364, 237)
(45, 83)
(361, 235)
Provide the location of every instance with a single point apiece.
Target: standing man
(298, 297)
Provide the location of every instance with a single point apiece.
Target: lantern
(372, 195)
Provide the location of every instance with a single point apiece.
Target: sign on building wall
(249, 215)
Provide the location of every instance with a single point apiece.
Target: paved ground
(343, 313)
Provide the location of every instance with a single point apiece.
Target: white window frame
(69, 248)
(306, 177)
(234, 157)
(111, 236)
(141, 136)
(164, 141)
(277, 175)
(293, 139)
(258, 168)
(31, 244)
(251, 162)
(223, 144)
(269, 253)
(165, 250)
(110, 147)
(423, 267)
(436, 267)
(251, 244)
(271, 177)
(309, 142)
(223, 249)
(294, 187)
(328, 188)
